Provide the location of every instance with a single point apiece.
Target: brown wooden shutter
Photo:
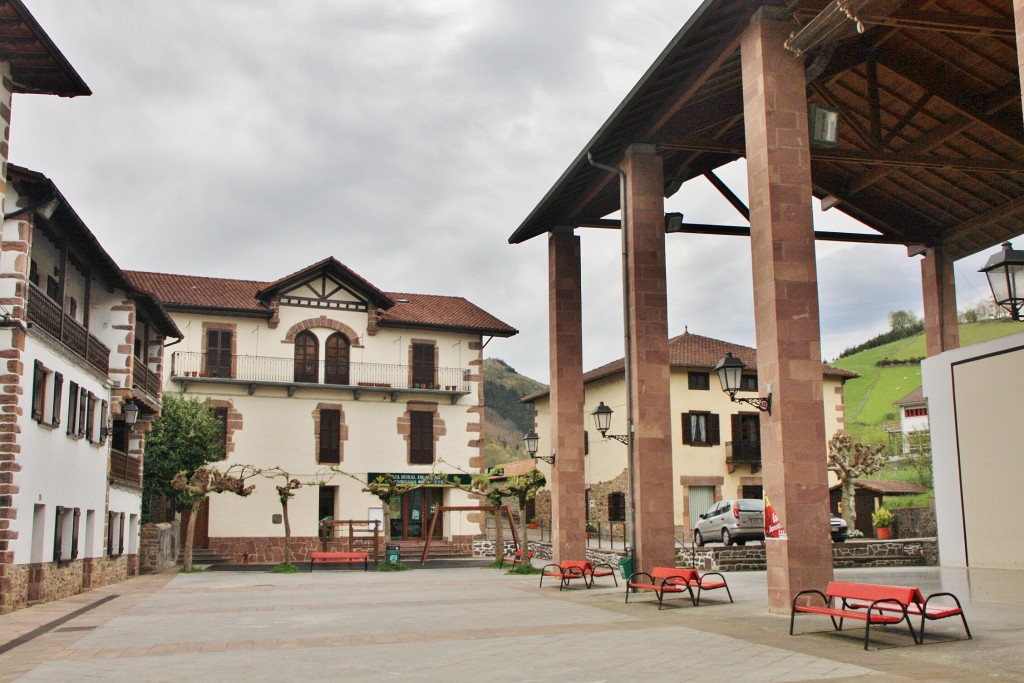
(421, 438)
(110, 533)
(72, 407)
(120, 538)
(103, 422)
(83, 406)
(218, 353)
(58, 391)
(74, 533)
(687, 433)
(58, 534)
(737, 430)
(38, 391)
(714, 436)
(423, 365)
(330, 436)
(221, 414)
(90, 417)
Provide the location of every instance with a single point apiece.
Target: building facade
(80, 345)
(322, 371)
(716, 444)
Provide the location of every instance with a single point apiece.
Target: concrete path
(476, 624)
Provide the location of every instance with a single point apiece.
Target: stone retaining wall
(44, 582)
(916, 552)
(158, 546)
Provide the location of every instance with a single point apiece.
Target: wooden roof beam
(945, 22)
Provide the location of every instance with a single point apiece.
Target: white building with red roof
(322, 369)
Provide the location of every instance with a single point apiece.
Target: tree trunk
(499, 534)
(386, 507)
(190, 529)
(849, 509)
(523, 529)
(287, 532)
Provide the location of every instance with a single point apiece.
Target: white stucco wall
(977, 457)
(57, 469)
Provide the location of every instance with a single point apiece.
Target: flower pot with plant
(882, 519)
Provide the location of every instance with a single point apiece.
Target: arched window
(307, 356)
(336, 371)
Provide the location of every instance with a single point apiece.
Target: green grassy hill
(869, 398)
(506, 420)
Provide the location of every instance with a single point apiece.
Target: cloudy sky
(249, 138)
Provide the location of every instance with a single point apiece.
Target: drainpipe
(627, 362)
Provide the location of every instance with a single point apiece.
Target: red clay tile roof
(453, 312)
(178, 292)
(693, 351)
(888, 487)
(517, 468)
(192, 291)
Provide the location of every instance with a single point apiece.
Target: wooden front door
(201, 534)
(411, 514)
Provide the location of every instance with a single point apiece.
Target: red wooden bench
(883, 605)
(569, 570)
(664, 580)
(921, 607)
(339, 558)
(515, 559)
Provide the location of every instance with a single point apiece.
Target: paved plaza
(475, 624)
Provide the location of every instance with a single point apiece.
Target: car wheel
(698, 539)
(726, 537)
(839, 539)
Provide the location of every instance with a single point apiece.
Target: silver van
(731, 521)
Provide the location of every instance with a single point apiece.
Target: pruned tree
(286, 491)
(194, 489)
(522, 488)
(851, 460)
(483, 485)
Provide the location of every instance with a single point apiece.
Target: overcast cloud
(248, 139)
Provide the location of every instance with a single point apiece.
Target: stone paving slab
(472, 624)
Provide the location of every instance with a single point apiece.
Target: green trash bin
(393, 555)
(626, 567)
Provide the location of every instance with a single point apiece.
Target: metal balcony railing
(740, 452)
(187, 364)
(46, 314)
(125, 469)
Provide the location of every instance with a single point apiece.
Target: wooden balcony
(125, 469)
(46, 314)
(743, 453)
(188, 366)
(145, 379)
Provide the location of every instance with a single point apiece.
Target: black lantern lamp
(130, 412)
(532, 442)
(730, 375)
(603, 422)
(1005, 272)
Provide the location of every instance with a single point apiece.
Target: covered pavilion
(929, 153)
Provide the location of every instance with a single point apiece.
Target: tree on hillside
(185, 437)
(904, 322)
(851, 460)
(194, 489)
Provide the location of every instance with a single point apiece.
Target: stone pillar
(938, 285)
(565, 321)
(793, 442)
(647, 355)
